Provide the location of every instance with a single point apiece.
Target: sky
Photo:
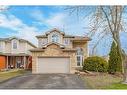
(28, 21)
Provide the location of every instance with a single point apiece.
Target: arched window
(15, 44)
(79, 56)
(79, 51)
(55, 38)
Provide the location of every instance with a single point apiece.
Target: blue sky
(28, 21)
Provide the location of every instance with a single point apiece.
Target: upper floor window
(15, 44)
(66, 41)
(55, 38)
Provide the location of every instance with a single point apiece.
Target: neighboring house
(59, 53)
(15, 53)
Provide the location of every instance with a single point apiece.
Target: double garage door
(53, 65)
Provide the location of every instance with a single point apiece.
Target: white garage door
(53, 65)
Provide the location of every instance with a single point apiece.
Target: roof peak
(50, 43)
(14, 37)
(55, 29)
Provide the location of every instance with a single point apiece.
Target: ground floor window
(79, 60)
(79, 56)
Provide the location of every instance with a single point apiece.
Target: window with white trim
(55, 38)
(15, 44)
(66, 41)
(79, 56)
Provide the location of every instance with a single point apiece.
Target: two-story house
(14, 53)
(59, 53)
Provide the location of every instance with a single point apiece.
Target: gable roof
(74, 38)
(50, 31)
(46, 45)
(55, 29)
(11, 38)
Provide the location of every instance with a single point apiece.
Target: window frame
(66, 41)
(55, 38)
(80, 55)
(14, 43)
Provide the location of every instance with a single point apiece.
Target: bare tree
(112, 19)
(108, 20)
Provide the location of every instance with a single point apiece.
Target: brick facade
(54, 51)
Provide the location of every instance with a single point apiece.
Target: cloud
(22, 29)
(29, 32)
(57, 20)
(60, 20)
(8, 22)
(38, 15)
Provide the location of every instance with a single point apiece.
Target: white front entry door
(53, 65)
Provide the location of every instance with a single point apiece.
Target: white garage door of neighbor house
(53, 65)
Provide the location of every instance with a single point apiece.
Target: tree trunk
(123, 64)
(125, 73)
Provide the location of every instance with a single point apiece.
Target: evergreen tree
(115, 63)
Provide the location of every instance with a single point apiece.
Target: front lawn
(103, 81)
(10, 74)
(117, 86)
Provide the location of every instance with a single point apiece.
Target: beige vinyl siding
(22, 47)
(2, 46)
(28, 48)
(8, 47)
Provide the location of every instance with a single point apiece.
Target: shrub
(96, 64)
(115, 63)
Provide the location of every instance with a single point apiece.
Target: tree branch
(106, 16)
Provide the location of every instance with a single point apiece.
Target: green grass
(117, 86)
(104, 81)
(10, 74)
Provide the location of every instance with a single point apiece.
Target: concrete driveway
(44, 81)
